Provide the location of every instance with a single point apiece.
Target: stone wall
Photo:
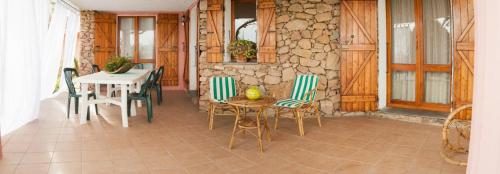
(87, 30)
(307, 42)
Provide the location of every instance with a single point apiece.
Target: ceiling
(133, 5)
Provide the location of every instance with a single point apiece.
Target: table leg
(124, 105)
(97, 95)
(108, 92)
(259, 132)
(266, 126)
(138, 89)
(235, 127)
(132, 104)
(84, 103)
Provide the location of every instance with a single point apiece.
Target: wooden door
(358, 70)
(168, 37)
(105, 38)
(463, 50)
(215, 31)
(266, 24)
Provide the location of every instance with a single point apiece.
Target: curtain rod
(69, 4)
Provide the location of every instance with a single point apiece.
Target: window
(137, 39)
(420, 59)
(243, 26)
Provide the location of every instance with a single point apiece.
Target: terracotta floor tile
(37, 157)
(32, 168)
(178, 141)
(74, 156)
(66, 168)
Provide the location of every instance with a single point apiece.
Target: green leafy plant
(116, 62)
(244, 48)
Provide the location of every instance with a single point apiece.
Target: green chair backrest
(222, 88)
(159, 75)
(95, 68)
(68, 77)
(303, 84)
(146, 85)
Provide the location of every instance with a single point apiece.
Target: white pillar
(484, 157)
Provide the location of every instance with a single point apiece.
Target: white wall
(192, 49)
(484, 149)
(382, 55)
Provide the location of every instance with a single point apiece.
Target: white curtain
(437, 46)
(404, 48)
(22, 31)
(62, 33)
(70, 47)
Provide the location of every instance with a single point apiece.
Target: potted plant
(118, 65)
(242, 50)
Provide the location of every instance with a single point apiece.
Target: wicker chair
(302, 100)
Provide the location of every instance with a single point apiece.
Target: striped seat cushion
(222, 88)
(288, 103)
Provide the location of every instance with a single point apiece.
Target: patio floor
(178, 141)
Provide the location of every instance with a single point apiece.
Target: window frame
(136, 58)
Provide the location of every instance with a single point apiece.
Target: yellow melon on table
(253, 93)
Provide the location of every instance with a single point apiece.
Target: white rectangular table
(131, 80)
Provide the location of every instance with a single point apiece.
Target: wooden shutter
(463, 50)
(105, 38)
(215, 31)
(358, 70)
(168, 37)
(266, 24)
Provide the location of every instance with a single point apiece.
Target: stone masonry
(307, 42)
(87, 27)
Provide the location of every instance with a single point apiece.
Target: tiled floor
(178, 141)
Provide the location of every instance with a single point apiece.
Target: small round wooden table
(242, 124)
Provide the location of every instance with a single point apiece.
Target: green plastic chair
(68, 77)
(95, 68)
(301, 100)
(222, 88)
(145, 95)
(156, 84)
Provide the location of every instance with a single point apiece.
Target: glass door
(420, 57)
(137, 39)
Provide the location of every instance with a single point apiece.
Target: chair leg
(76, 104)
(211, 119)
(276, 119)
(96, 110)
(298, 118)
(88, 113)
(149, 104)
(129, 102)
(301, 123)
(69, 106)
(161, 93)
(318, 116)
(158, 95)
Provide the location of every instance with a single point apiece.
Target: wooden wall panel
(167, 46)
(105, 37)
(463, 51)
(215, 31)
(266, 24)
(359, 63)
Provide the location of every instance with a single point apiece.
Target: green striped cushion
(222, 88)
(302, 84)
(289, 103)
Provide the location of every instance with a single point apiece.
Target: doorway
(419, 54)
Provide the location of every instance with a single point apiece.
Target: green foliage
(243, 47)
(114, 63)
